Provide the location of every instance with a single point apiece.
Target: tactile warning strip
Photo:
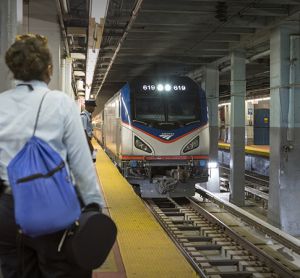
(250, 149)
(145, 248)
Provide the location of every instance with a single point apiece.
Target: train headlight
(168, 87)
(160, 87)
(139, 144)
(212, 164)
(192, 145)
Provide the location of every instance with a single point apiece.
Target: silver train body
(157, 134)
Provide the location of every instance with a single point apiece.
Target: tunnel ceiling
(154, 37)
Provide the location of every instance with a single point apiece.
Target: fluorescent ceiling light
(79, 56)
(79, 73)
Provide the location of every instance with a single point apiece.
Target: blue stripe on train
(167, 134)
(161, 134)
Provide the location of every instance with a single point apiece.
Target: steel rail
(196, 267)
(267, 259)
(247, 174)
(283, 238)
(196, 226)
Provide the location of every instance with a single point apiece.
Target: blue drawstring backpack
(44, 196)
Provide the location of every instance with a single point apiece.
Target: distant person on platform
(86, 118)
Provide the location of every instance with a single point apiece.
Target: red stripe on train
(168, 157)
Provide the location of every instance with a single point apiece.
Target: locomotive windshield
(149, 108)
(183, 109)
(165, 107)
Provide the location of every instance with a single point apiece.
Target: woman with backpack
(33, 112)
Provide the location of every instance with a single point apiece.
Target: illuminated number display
(179, 87)
(149, 87)
(163, 87)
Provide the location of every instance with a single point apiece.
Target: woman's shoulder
(5, 93)
(60, 103)
(59, 96)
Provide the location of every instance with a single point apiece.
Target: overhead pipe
(62, 26)
(250, 59)
(198, 73)
(259, 55)
(128, 27)
(65, 6)
(294, 62)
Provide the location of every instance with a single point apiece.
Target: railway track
(251, 179)
(214, 248)
(256, 186)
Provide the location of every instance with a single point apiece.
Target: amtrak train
(156, 132)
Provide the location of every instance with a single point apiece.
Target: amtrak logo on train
(166, 136)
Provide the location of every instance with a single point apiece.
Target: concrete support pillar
(11, 17)
(211, 87)
(284, 192)
(68, 78)
(41, 18)
(237, 143)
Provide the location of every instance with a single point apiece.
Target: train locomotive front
(157, 133)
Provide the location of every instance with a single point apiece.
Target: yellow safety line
(224, 146)
(145, 248)
(253, 150)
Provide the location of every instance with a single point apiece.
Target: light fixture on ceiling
(80, 85)
(79, 56)
(79, 73)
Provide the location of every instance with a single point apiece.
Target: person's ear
(50, 70)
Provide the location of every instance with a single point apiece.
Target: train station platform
(259, 150)
(143, 249)
(256, 158)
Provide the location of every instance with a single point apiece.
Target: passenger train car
(157, 133)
